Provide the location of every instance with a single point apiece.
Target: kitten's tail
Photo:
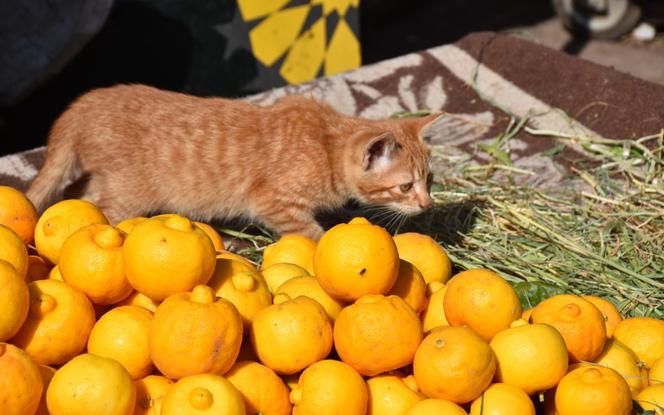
(60, 167)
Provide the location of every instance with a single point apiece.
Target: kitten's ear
(430, 127)
(378, 152)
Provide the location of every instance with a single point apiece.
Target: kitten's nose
(424, 202)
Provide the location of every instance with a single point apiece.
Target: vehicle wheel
(619, 17)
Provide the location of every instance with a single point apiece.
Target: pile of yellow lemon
(153, 316)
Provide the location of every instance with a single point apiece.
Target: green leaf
(495, 152)
(554, 151)
(532, 293)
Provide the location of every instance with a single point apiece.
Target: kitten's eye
(406, 187)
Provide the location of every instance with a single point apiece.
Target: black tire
(622, 17)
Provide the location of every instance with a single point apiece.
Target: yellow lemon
(17, 213)
(277, 274)
(532, 357)
(329, 387)
(91, 260)
(291, 249)
(231, 255)
(656, 374)
(128, 225)
(356, 259)
(13, 250)
(90, 384)
(20, 382)
(58, 323)
(292, 334)
(652, 399)
(61, 220)
(435, 406)
(46, 373)
(203, 394)
(55, 274)
(502, 399)
(263, 391)
(165, 256)
(454, 363)
(366, 335)
(644, 335)
(609, 311)
(309, 287)
(410, 286)
(14, 301)
(481, 300)
(241, 285)
(194, 332)
(620, 358)
(122, 334)
(425, 254)
(433, 314)
(579, 322)
(389, 394)
(214, 236)
(141, 300)
(150, 392)
(593, 390)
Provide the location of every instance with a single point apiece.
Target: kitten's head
(391, 164)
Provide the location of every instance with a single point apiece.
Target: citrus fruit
(502, 399)
(355, 259)
(55, 274)
(366, 335)
(128, 225)
(232, 255)
(46, 373)
(150, 392)
(91, 260)
(203, 394)
(481, 300)
(58, 323)
(17, 213)
(329, 387)
(579, 322)
(593, 390)
(425, 254)
(532, 357)
(291, 249)
(277, 274)
(194, 333)
(13, 250)
(262, 390)
(61, 220)
(122, 334)
(243, 286)
(142, 300)
(14, 301)
(410, 286)
(309, 287)
(435, 406)
(90, 384)
(38, 268)
(656, 374)
(609, 311)
(525, 316)
(454, 363)
(652, 399)
(389, 394)
(433, 314)
(620, 358)
(164, 256)
(214, 236)
(644, 335)
(20, 384)
(291, 334)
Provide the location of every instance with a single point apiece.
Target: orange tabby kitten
(140, 150)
